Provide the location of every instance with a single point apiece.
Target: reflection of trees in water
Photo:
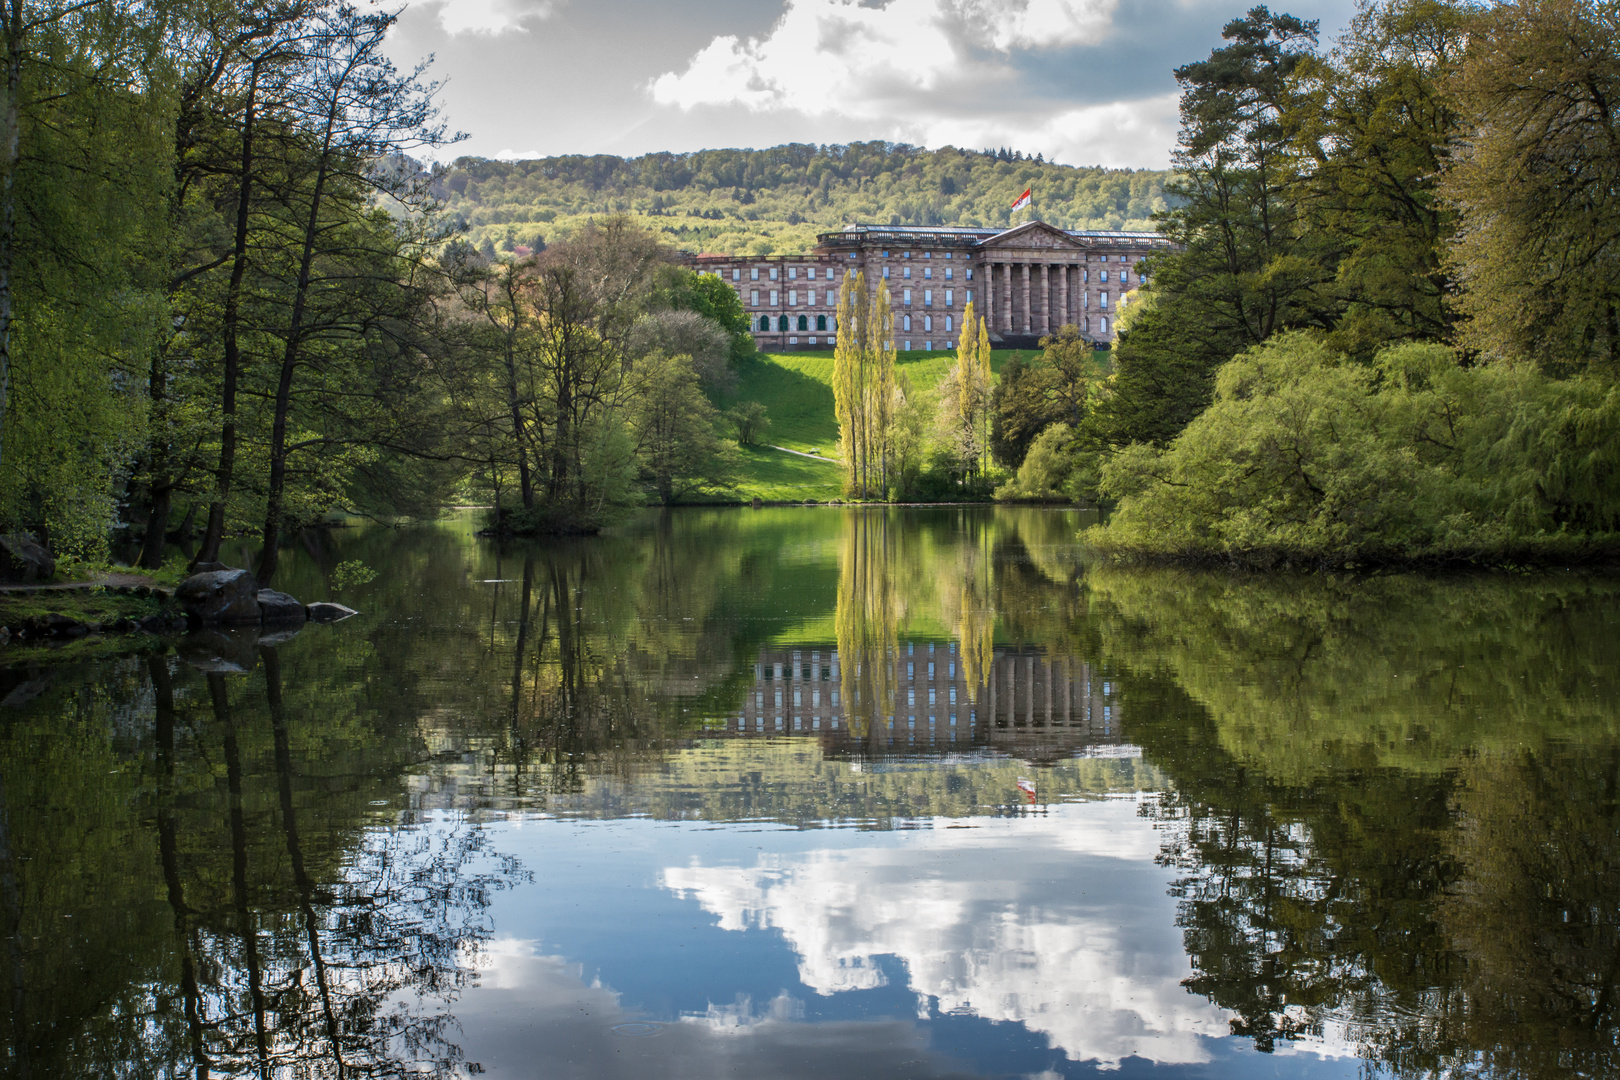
(1537, 915)
(866, 618)
(1454, 913)
(297, 932)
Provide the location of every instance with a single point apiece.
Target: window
(810, 298)
(908, 346)
(754, 299)
(885, 273)
(928, 254)
(773, 273)
(907, 273)
(793, 272)
(948, 255)
(773, 298)
(950, 324)
(764, 322)
(928, 273)
(1105, 325)
(1103, 277)
(736, 275)
(970, 296)
(821, 322)
(781, 323)
(1085, 275)
(948, 273)
(905, 324)
(885, 254)
(970, 273)
(753, 273)
(804, 322)
(794, 341)
(947, 297)
(1102, 300)
(905, 254)
(928, 322)
(906, 296)
(793, 297)
(812, 339)
(928, 346)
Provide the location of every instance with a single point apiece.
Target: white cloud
(931, 72)
(844, 56)
(1037, 921)
(491, 17)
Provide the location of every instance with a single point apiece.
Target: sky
(1085, 82)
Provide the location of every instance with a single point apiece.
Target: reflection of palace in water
(1025, 700)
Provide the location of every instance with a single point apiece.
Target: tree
(1018, 411)
(750, 422)
(1246, 266)
(963, 420)
(1372, 126)
(716, 301)
(1536, 185)
(864, 386)
(675, 429)
(344, 267)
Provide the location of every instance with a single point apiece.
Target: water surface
(810, 792)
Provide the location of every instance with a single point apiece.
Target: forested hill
(777, 200)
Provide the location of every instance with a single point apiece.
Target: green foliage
(1536, 185)
(1372, 126)
(777, 200)
(1308, 457)
(675, 425)
(351, 574)
(712, 298)
(750, 422)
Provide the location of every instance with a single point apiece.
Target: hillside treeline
(1391, 331)
(776, 200)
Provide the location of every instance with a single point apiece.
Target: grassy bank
(796, 390)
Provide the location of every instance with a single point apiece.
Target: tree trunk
(12, 136)
(271, 538)
(209, 550)
(295, 853)
(525, 482)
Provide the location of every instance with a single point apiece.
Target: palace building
(1027, 281)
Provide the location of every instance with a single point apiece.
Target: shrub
(1305, 456)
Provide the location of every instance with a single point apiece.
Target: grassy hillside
(775, 201)
(796, 390)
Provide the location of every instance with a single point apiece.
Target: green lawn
(796, 390)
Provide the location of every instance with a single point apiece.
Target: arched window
(821, 322)
(764, 322)
(906, 323)
(781, 323)
(928, 322)
(804, 322)
(1105, 325)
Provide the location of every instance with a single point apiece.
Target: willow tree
(864, 386)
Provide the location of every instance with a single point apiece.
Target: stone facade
(1028, 281)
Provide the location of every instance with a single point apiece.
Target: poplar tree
(880, 395)
(852, 315)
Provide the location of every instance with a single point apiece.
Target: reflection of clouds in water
(534, 1016)
(1060, 922)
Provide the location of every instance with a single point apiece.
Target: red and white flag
(1024, 199)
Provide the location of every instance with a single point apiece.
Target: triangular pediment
(1033, 234)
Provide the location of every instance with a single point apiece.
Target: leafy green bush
(1307, 457)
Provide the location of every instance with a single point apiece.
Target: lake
(800, 792)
